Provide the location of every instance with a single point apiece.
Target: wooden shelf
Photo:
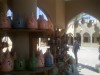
(46, 32)
(26, 30)
(39, 70)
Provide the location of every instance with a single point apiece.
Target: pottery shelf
(44, 70)
(45, 32)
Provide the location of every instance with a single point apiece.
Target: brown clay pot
(5, 23)
(32, 22)
(42, 23)
(8, 63)
(40, 58)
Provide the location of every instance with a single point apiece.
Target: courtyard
(87, 61)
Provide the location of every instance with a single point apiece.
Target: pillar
(90, 40)
(81, 39)
(24, 8)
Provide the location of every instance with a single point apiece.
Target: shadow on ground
(78, 67)
(82, 66)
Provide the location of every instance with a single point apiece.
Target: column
(90, 40)
(24, 8)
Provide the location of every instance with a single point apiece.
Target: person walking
(76, 47)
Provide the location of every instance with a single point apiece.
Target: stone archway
(86, 37)
(82, 24)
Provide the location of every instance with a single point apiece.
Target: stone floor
(87, 60)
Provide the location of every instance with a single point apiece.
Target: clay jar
(20, 64)
(32, 22)
(18, 22)
(33, 64)
(48, 58)
(5, 22)
(7, 64)
(40, 58)
(42, 23)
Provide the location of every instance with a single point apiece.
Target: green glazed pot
(20, 64)
(33, 63)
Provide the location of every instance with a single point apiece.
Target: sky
(39, 12)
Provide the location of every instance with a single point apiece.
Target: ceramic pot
(42, 23)
(7, 64)
(18, 22)
(20, 64)
(33, 64)
(32, 22)
(40, 58)
(48, 58)
(5, 22)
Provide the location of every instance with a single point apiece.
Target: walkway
(88, 59)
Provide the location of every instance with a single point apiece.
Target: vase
(48, 58)
(32, 64)
(42, 23)
(20, 64)
(40, 58)
(32, 22)
(18, 22)
(5, 22)
(7, 64)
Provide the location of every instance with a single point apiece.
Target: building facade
(86, 28)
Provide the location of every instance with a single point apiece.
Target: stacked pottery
(48, 58)
(40, 58)
(32, 22)
(33, 64)
(7, 64)
(50, 25)
(42, 23)
(4, 22)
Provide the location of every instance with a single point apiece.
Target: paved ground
(88, 59)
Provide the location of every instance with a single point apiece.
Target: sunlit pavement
(87, 60)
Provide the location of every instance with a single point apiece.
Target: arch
(78, 35)
(86, 37)
(84, 27)
(79, 17)
(70, 39)
(95, 37)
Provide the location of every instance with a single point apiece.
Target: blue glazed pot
(18, 22)
(48, 59)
